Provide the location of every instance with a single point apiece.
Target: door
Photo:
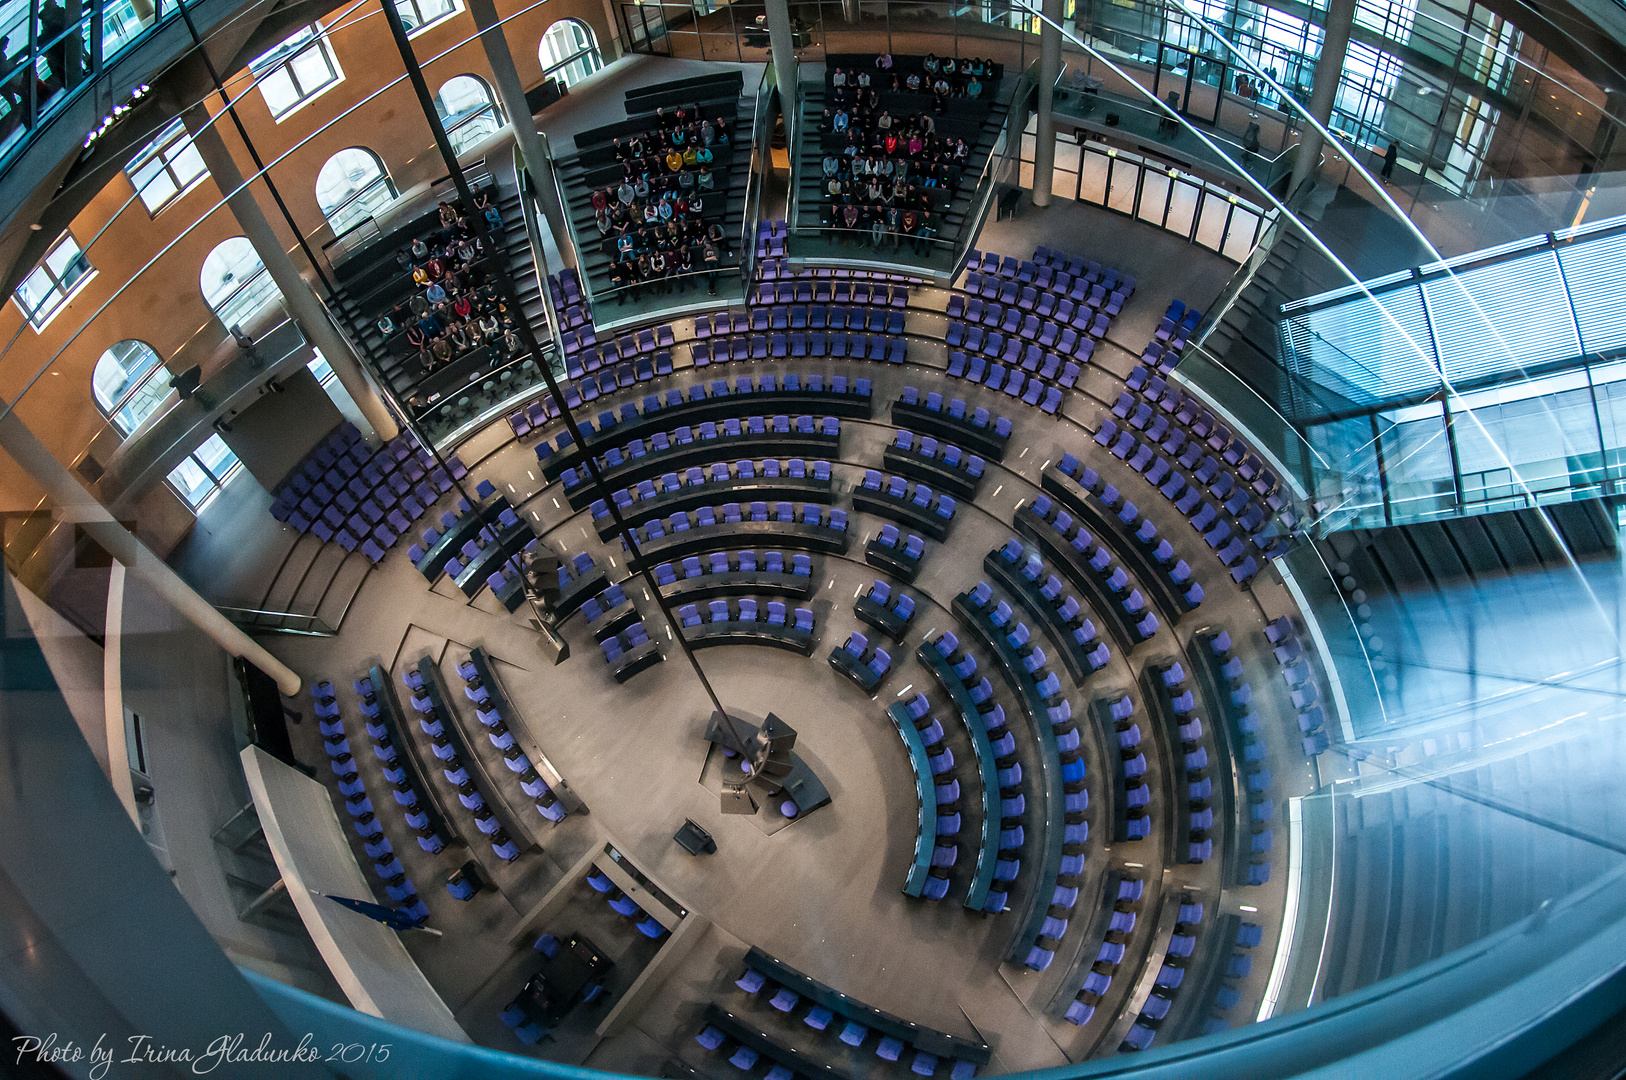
(1190, 83)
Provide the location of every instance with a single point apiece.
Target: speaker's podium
(781, 786)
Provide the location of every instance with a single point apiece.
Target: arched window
(352, 187)
(569, 52)
(130, 382)
(235, 282)
(468, 110)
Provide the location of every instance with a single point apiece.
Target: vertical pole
(506, 286)
(71, 502)
(1044, 150)
(512, 95)
(302, 300)
(783, 46)
(1329, 67)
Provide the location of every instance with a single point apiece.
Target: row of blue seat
(1122, 898)
(456, 772)
(885, 346)
(489, 713)
(708, 431)
(397, 886)
(1171, 973)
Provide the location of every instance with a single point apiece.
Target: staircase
(309, 595)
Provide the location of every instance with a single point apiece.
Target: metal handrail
(753, 187)
(997, 160)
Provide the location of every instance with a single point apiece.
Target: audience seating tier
(708, 586)
(925, 792)
(467, 527)
(961, 431)
(1103, 521)
(1073, 566)
(1027, 593)
(994, 640)
(971, 716)
(680, 456)
(736, 632)
(694, 496)
(504, 705)
(751, 1035)
(817, 539)
(950, 480)
(694, 412)
(1163, 725)
(922, 1038)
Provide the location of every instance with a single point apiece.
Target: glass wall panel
(1243, 232)
(1215, 209)
(1092, 176)
(1124, 182)
(1154, 196)
(1182, 207)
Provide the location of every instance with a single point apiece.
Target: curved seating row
(1073, 551)
(859, 315)
(1103, 508)
(1131, 797)
(1170, 975)
(939, 463)
(419, 801)
(1044, 292)
(887, 613)
(925, 768)
(490, 564)
(917, 505)
(439, 724)
(745, 481)
(812, 529)
(791, 991)
(1225, 996)
(1022, 573)
(1188, 499)
(751, 1046)
(620, 903)
(598, 376)
(1187, 431)
(1058, 260)
(765, 395)
(999, 851)
(397, 886)
(863, 665)
(1114, 926)
(460, 528)
(1250, 778)
(980, 431)
(1301, 684)
(780, 436)
(1026, 381)
(1063, 327)
(608, 613)
(489, 707)
(827, 290)
(720, 627)
(901, 560)
(1023, 665)
(838, 344)
(579, 581)
(581, 334)
(750, 572)
(1167, 692)
(630, 651)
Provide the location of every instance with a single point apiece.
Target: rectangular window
(297, 71)
(166, 168)
(421, 14)
(201, 475)
(321, 369)
(62, 272)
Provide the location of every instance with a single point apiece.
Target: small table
(553, 991)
